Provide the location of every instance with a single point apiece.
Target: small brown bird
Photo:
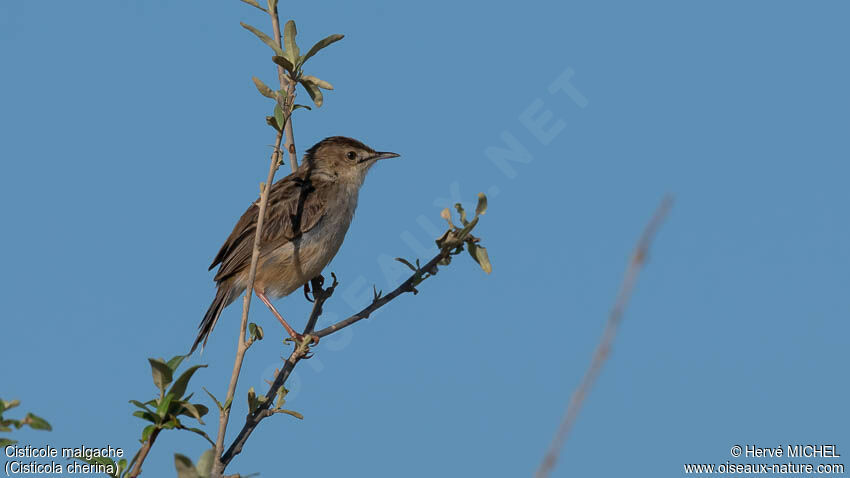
(307, 216)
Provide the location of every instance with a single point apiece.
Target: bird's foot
(300, 338)
(303, 343)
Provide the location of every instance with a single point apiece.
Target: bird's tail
(223, 298)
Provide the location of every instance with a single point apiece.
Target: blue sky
(134, 138)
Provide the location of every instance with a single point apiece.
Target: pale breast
(289, 267)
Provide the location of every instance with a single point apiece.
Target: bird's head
(343, 157)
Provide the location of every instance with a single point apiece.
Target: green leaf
(284, 62)
(295, 107)
(227, 403)
(314, 92)
(122, 465)
(164, 405)
(316, 81)
(220, 407)
(253, 402)
(481, 208)
(407, 263)
(256, 331)
(146, 416)
(4, 405)
(140, 405)
(278, 118)
(10, 421)
(185, 467)
(265, 38)
(161, 373)
(4, 442)
(479, 253)
(146, 432)
(263, 89)
(289, 32)
(471, 248)
(467, 228)
(36, 423)
(179, 387)
(171, 424)
(175, 362)
(195, 410)
(320, 45)
(254, 3)
(199, 432)
(202, 409)
(281, 397)
(271, 122)
(205, 463)
(291, 412)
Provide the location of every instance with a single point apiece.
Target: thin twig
(242, 345)
(143, 453)
(407, 286)
(320, 295)
(255, 418)
(285, 84)
(603, 349)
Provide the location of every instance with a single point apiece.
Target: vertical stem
(242, 346)
(285, 84)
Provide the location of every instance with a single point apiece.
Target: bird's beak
(383, 155)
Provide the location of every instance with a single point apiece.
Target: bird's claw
(312, 339)
(303, 342)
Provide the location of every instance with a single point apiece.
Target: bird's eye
(351, 155)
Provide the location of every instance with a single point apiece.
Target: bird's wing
(294, 208)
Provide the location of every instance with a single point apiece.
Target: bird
(307, 216)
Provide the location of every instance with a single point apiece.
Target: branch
(603, 349)
(300, 352)
(289, 86)
(253, 419)
(429, 268)
(242, 345)
(320, 295)
(143, 453)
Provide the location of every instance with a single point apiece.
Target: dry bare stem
(242, 345)
(603, 349)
